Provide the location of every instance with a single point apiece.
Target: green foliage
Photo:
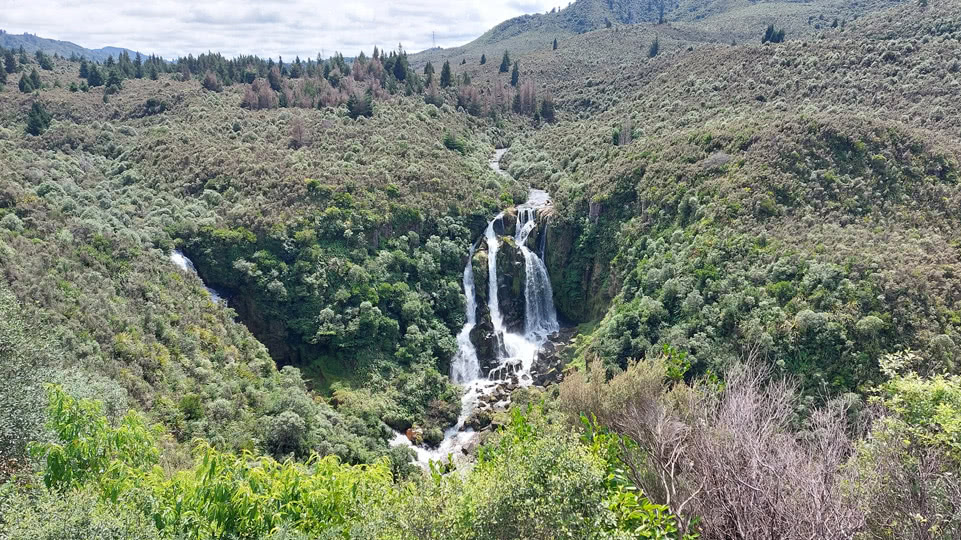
(445, 75)
(929, 409)
(654, 49)
(505, 63)
(25, 85)
(772, 35)
(515, 74)
(89, 448)
(451, 142)
(38, 120)
(360, 105)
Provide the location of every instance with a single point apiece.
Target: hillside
(734, 312)
(32, 43)
(712, 21)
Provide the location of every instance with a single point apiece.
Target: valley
(622, 269)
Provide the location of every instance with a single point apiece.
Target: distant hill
(32, 43)
(713, 20)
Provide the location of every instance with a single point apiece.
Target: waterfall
(514, 352)
(540, 317)
(465, 367)
(185, 264)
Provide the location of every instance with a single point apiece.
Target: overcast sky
(173, 28)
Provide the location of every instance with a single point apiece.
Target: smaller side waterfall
(465, 367)
(181, 261)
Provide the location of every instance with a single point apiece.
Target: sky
(304, 28)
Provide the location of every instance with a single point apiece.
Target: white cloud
(302, 28)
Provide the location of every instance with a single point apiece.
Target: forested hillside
(752, 245)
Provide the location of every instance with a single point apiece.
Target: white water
(185, 264)
(465, 367)
(515, 352)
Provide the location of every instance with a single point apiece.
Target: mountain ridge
(32, 43)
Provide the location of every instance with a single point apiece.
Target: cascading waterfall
(515, 353)
(540, 317)
(465, 367)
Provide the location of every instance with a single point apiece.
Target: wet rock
(479, 419)
(511, 277)
(415, 435)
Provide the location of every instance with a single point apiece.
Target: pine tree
(505, 63)
(547, 109)
(483, 59)
(654, 49)
(38, 120)
(429, 73)
(10, 62)
(445, 76)
(3, 77)
(515, 75)
(114, 81)
(360, 105)
(94, 77)
(555, 47)
(773, 35)
(35, 79)
(25, 85)
(84, 68)
(400, 64)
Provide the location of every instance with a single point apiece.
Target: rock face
(548, 367)
(511, 277)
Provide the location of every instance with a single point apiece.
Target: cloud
(304, 28)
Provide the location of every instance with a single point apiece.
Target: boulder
(415, 435)
(479, 419)
(548, 367)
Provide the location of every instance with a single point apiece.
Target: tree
(773, 35)
(400, 64)
(429, 73)
(515, 75)
(360, 105)
(94, 77)
(84, 68)
(211, 82)
(505, 63)
(35, 79)
(10, 62)
(3, 76)
(483, 59)
(445, 76)
(25, 85)
(114, 82)
(555, 44)
(547, 108)
(38, 120)
(654, 49)
(44, 61)
(275, 79)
